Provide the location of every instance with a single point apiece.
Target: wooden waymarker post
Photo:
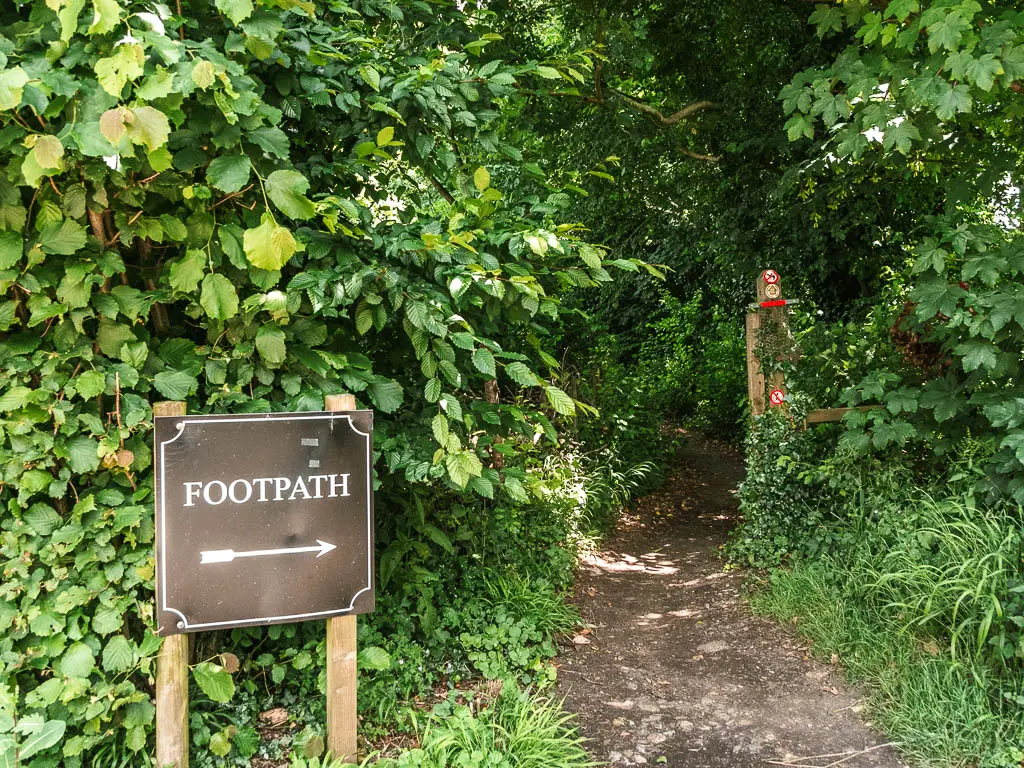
(771, 306)
(342, 674)
(172, 674)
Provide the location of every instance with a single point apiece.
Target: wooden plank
(172, 674)
(755, 379)
(825, 415)
(342, 673)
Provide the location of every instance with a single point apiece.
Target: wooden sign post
(342, 674)
(262, 519)
(172, 674)
(770, 309)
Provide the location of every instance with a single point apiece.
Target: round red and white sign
(777, 396)
(770, 276)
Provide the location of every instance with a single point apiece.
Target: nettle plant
(245, 206)
(935, 89)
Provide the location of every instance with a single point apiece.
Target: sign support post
(172, 674)
(342, 673)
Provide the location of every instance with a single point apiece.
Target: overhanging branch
(676, 117)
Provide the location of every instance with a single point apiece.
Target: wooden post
(172, 674)
(342, 715)
(756, 384)
(755, 379)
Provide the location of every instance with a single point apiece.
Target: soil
(674, 668)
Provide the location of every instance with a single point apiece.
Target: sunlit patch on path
(676, 671)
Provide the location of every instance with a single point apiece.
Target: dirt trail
(677, 671)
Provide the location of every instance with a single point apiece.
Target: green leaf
(187, 271)
(521, 374)
(203, 74)
(229, 173)
(236, 10)
(462, 466)
(934, 296)
(42, 519)
(106, 16)
(119, 655)
(156, 86)
(560, 401)
(439, 537)
(977, 354)
(983, 71)
(268, 246)
(370, 76)
(48, 152)
(902, 9)
(106, 620)
(14, 398)
(11, 246)
(271, 140)
(218, 297)
(373, 657)
(385, 135)
(77, 661)
(50, 734)
(954, 100)
(386, 395)
(82, 455)
(175, 385)
(64, 238)
(1015, 442)
(827, 18)
(432, 390)
(901, 137)
(114, 72)
(799, 125)
(483, 360)
(149, 128)
(947, 32)
(214, 681)
(287, 190)
(270, 342)
(481, 178)
(220, 743)
(12, 84)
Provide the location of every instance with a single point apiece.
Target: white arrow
(227, 555)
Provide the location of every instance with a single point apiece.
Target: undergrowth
(941, 711)
(520, 730)
(918, 592)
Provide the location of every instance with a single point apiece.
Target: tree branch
(441, 190)
(676, 117)
(698, 156)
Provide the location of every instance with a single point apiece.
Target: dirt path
(677, 671)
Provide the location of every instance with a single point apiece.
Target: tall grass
(914, 601)
(945, 571)
(942, 712)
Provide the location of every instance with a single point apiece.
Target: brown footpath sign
(263, 519)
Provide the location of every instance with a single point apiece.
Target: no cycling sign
(262, 518)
